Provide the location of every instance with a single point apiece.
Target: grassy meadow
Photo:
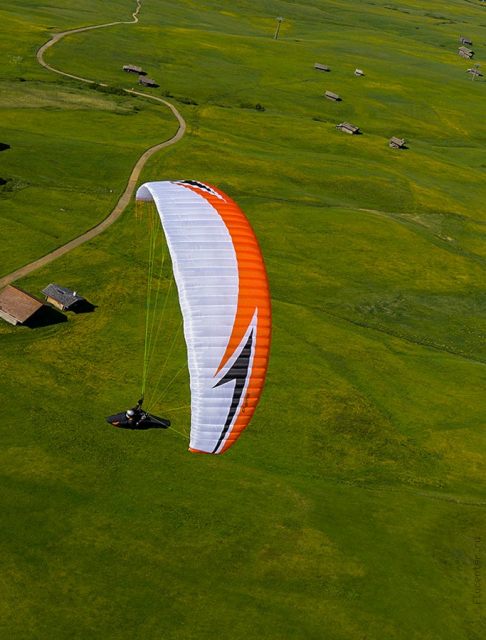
(353, 506)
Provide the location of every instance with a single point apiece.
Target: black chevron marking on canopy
(195, 183)
(239, 373)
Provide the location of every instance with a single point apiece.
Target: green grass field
(353, 507)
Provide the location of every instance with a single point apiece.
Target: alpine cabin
(396, 143)
(146, 82)
(465, 52)
(17, 306)
(61, 297)
(347, 128)
(131, 68)
(332, 96)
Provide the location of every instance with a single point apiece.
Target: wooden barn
(321, 67)
(475, 72)
(465, 52)
(347, 128)
(61, 297)
(396, 143)
(17, 306)
(332, 96)
(465, 40)
(358, 72)
(131, 68)
(146, 82)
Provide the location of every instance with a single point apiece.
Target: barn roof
(346, 126)
(63, 295)
(132, 67)
(18, 304)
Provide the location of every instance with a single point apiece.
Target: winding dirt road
(132, 181)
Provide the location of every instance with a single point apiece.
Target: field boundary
(134, 176)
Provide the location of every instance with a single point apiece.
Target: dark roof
(63, 295)
(18, 303)
(465, 40)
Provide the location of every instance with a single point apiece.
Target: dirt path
(132, 181)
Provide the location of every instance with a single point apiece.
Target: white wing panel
(206, 274)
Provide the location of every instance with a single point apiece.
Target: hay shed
(347, 128)
(131, 68)
(17, 306)
(397, 143)
(61, 297)
(332, 96)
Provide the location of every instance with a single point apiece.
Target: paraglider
(137, 418)
(225, 302)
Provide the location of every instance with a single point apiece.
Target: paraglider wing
(225, 303)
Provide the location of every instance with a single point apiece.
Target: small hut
(476, 72)
(332, 96)
(465, 52)
(396, 143)
(465, 40)
(17, 306)
(131, 68)
(61, 297)
(146, 82)
(321, 67)
(347, 128)
(358, 72)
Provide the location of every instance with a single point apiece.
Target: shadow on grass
(4, 147)
(84, 307)
(45, 317)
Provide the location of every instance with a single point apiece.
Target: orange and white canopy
(225, 303)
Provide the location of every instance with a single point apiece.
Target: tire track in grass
(134, 176)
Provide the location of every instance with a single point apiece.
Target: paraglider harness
(137, 418)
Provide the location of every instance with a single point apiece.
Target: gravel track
(134, 176)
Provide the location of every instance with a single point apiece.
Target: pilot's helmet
(130, 413)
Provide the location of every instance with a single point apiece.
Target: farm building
(396, 143)
(476, 72)
(358, 72)
(17, 306)
(321, 67)
(347, 128)
(465, 40)
(332, 96)
(146, 82)
(131, 68)
(465, 52)
(61, 297)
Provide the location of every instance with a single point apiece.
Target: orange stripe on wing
(253, 293)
